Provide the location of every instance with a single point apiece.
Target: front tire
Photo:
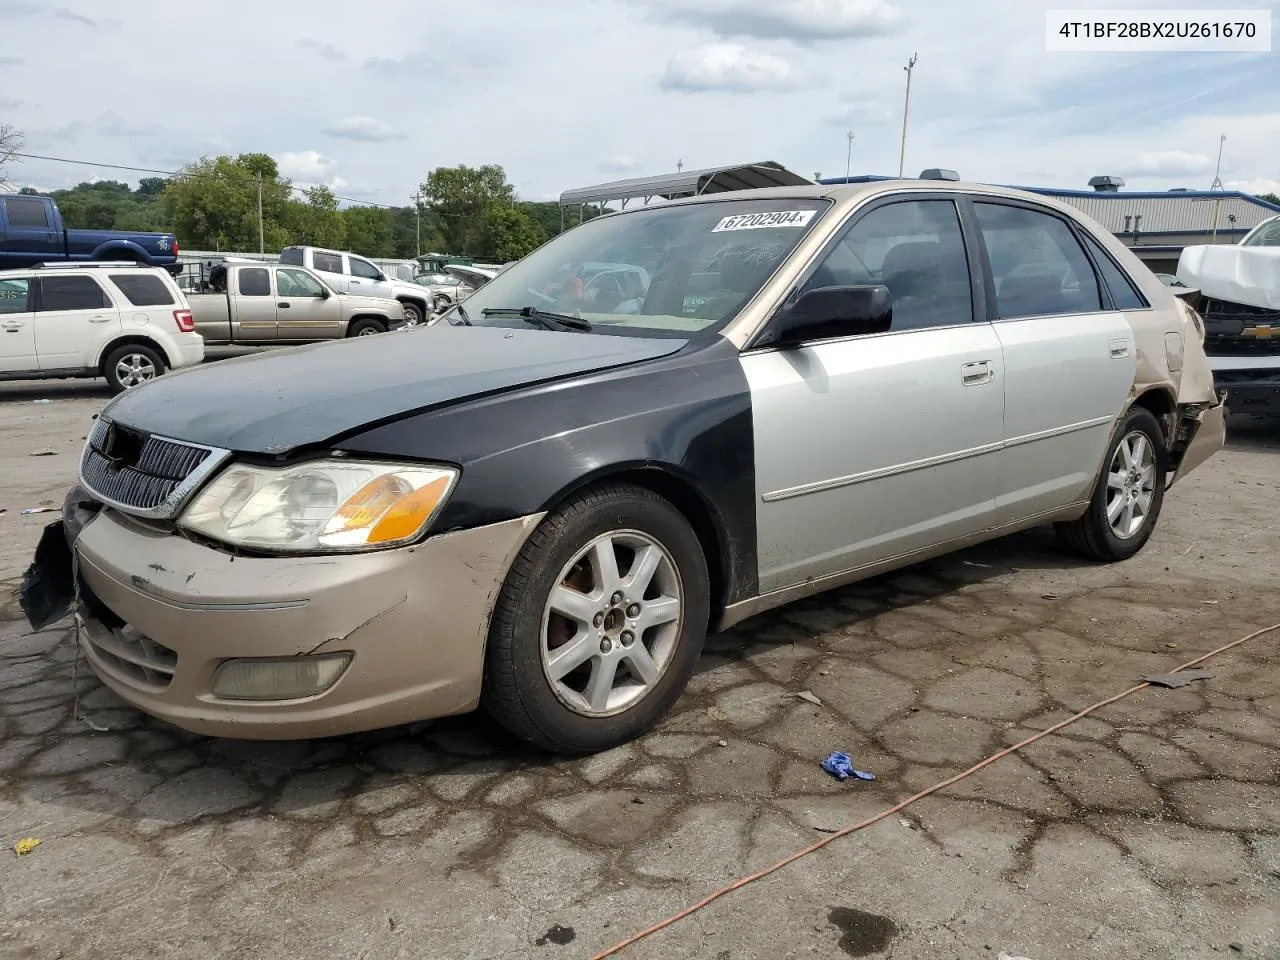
(441, 304)
(132, 365)
(599, 624)
(1126, 501)
(366, 328)
(412, 312)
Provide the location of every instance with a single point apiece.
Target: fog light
(288, 679)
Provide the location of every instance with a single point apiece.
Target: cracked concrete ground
(1149, 830)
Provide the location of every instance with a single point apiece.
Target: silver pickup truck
(254, 304)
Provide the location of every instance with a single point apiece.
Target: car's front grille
(140, 473)
(134, 656)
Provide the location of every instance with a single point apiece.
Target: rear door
(30, 231)
(253, 306)
(74, 318)
(17, 325)
(303, 311)
(1070, 357)
(874, 447)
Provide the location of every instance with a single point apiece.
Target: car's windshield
(663, 271)
(1265, 235)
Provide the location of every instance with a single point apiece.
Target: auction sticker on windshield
(758, 221)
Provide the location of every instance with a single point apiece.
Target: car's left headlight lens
(324, 506)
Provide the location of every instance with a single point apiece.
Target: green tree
(212, 204)
(151, 186)
(370, 231)
(10, 145)
(462, 197)
(1271, 198)
(549, 215)
(508, 234)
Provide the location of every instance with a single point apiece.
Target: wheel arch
(1163, 404)
(125, 340)
(683, 494)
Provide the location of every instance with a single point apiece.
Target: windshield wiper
(539, 318)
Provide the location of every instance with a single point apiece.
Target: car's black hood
(280, 400)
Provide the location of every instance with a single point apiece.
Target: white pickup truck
(349, 273)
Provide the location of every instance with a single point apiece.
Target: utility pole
(417, 209)
(1217, 179)
(848, 158)
(679, 165)
(906, 106)
(262, 231)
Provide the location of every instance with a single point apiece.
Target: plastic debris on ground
(1179, 679)
(840, 765)
(1010, 956)
(26, 845)
(42, 401)
(808, 696)
(46, 452)
(30, 510)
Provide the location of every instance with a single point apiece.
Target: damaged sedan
(542, 502)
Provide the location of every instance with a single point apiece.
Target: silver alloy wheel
(368, 332)
(1131, 484)
(612, 623)
(135, 368)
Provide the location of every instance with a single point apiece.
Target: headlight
(325, 506)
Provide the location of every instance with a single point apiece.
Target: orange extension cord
(739, 884)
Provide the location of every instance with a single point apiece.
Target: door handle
(99, 319)
(978, 372)
(1119, 349)
(12, 326)
(283, 306)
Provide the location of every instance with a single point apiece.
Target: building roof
(1162, 212)
(689, 183)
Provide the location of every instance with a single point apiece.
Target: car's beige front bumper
(414, 619)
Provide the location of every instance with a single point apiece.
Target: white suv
(122, 321)
(349, 273)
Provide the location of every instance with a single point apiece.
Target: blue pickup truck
(31, 232)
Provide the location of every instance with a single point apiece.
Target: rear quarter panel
(212, 312)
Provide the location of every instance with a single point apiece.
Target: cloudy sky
(564, 93)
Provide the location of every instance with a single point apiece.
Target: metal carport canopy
(689, 183)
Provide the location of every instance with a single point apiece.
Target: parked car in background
(546, 512)
(349, 273)
(1238, 294)
(259, 304)
(32, 231)
(121, 321)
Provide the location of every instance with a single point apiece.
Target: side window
(327, 262)
(15, 296)
(1124, 294)
(143, 289)
(1038, 266)
(363, 268)
(298, 284)
(27, 213)
(292, 256)
(255, 282)
(71, 293)
(916, 249)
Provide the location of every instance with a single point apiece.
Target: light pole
(906, 106)
(417, 209)
(848, 157)
(1217, 179)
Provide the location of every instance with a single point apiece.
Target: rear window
(143, 289)
(327, 262)
(255, 282)
(15, 296)
(26, 212)
(71, 293)
(292, 256)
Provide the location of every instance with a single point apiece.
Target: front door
(74, 318)
(303, 311)
(31, 233)
(17, 326)
(875, 447)
(253, 307)
(1070, 358)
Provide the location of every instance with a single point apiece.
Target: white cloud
(862, 110)
(728, 67)
(324, 50)
(1256, 186)
(364, 128)
(619, 163)
(309, 165)
(803, 21)
(1168, 163)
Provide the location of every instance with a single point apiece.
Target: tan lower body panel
(414, 620)
(1209, 438)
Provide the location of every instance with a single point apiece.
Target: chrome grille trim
(156, 487)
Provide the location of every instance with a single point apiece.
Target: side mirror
(831, 312)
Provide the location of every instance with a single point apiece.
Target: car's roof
(80, 269)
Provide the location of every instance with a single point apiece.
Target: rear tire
(1128, 495)
(412, 312)
(607, 670)
(366, 328)
(132, 365)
